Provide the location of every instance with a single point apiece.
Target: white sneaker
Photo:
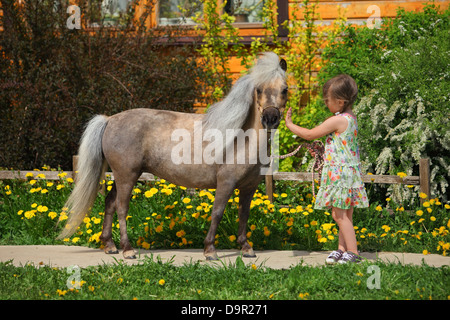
(350, 257)
(334, 257)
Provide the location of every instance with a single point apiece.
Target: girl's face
(333, 104)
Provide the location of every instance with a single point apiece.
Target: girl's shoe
(334, 257)
(350, 257)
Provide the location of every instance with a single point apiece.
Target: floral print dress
(341, 184)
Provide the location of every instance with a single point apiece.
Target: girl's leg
(347, 237)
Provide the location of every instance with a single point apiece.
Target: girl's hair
(341, 87)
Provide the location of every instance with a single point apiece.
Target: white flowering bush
(405, 117)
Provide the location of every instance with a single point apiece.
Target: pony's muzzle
(270, 118)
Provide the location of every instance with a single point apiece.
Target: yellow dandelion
(423, 195)
(401, 174)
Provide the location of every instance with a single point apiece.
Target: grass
(163, 215)
(195, 281)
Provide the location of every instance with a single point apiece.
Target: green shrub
(54, 79)
(403, 107)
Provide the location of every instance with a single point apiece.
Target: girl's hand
(288, 117)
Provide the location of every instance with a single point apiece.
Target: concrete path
(64, 256)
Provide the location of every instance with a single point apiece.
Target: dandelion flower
(52, 215)
(401, 174)
(61, 292)
(29, 214)
(161, 282)
(423, 195)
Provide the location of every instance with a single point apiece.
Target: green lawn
(164, 281)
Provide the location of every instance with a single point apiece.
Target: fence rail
(423, 180)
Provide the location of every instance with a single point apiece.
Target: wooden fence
(423, 180)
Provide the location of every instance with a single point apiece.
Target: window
(173, 12)
(245, 10)
(113, 10)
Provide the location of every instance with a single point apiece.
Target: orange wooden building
(164, 13)
(248, 21)
(357, 12)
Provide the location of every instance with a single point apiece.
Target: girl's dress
(341, 184)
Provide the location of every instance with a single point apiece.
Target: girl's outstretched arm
(338, 124)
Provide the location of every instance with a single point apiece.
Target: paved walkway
(64, 256)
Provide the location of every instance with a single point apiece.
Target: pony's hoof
(129, 254)
(248, 253)
(110, 249)
(212, 257)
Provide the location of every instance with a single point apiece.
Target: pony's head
(264, 88)
(270, 89)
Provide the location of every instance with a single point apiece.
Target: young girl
(341, 187)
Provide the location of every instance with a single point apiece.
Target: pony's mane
(232, 111)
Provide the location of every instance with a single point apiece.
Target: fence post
(269, 183)
(424, 177)
(269, 187)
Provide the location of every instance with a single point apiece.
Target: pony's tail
(91, 167)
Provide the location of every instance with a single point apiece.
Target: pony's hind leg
(124, 188)
(110, 209)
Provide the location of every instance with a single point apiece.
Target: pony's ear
(283, 64)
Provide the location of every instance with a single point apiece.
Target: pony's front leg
(223, 193)
(245, 198)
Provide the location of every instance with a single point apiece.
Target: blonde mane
(232, 111)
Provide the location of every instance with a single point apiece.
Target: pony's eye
(258, 91)
(285, 90)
